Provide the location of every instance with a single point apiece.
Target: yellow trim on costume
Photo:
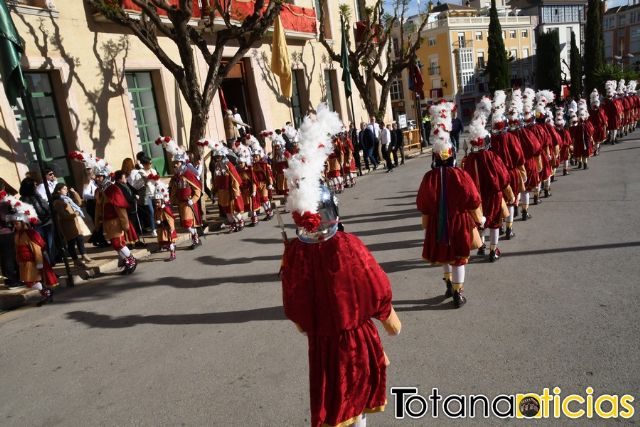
(352, 420)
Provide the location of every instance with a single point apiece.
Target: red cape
(332, 290)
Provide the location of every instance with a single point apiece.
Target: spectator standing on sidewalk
(397, 144)
(51, 180)
(426, 128)
(456, 129)
(375, 128)
(367, 141)
(70, 216)
(385, 143)
(7, 244)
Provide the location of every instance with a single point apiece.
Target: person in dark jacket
(46, 228)
(397, 144)
(367, 141)
(456, 129)
(353, 135)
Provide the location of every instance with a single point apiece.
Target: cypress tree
(548, 71)
(497, 63)
(576, 69)
(593, 44)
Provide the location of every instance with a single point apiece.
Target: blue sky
(413, 4)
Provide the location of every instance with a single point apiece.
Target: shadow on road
(573, 249)
(95, 320)
(391, 230)
(434, 303)
(211, 260)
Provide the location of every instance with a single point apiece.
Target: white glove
(39, 266)
(253, 194)
(158, 222)
(190, 202)
(270, 187)
(483, 220)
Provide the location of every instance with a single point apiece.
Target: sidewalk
(105, 260)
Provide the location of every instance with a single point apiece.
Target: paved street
(203, 341)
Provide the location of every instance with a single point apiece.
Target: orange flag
(280, 64)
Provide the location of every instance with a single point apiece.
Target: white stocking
(37, 286)
(494, 236)
(125, 252)
(458, 273)
(524, 196)
(446, 268)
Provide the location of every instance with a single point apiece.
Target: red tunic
(248, 188)
(581, 134)
(531, 149)
(508, 148)
(555, 144)
(628, 110)
(449, 230)
(332, 290)
(598, 119)
(490, 177)
(613, 110)
(545, 149)
(565, 148)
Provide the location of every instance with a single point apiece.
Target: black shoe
(565, 173)
(585, 167)
(572, 162)
(536, 200)
(525, 215)
(501, 230)
(509, 234)
(515, 211)
(579, 165)
(547, 193)
(553, 178)
(449, 292)
(494, 255)
(482, 250)
(459, 299)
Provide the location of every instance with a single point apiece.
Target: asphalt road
(203, 340)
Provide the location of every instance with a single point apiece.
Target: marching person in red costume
(280, 162)
(185, 188)
(613, 109)
(627, 109)
(250, 183)
(451, 209)
(549, 143)
(491, 178)
(111, 209)
(566, 144)
(531, 148)
(333, 302)
(507, 146)
(164, 219)
(31, 249)
(264, 178)
(598, 119)
(582, 136)
(334, 165)
(225, 184)
(349, 168)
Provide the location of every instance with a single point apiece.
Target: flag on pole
(416, 83)
(10, 53)
(344, 61)
(280, 63)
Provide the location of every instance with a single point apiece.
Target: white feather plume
(306, 167)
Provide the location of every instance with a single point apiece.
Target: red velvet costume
(29, 253)
(450, 227)
(349, 163)
(335, 160)
(545, 150)
(598, 119)
(491, 177)
(531, 148)
(555, 145)
(264, 180)
(183, 187)
(628, 110)
(507, 146)
(226, 184)
(117, 227)
(581, 134)
(613, 110)
(248, 188)
(331, 290)
(565, 145)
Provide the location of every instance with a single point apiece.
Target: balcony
(298, 22)
(434, 70)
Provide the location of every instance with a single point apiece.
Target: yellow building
(454, 53)
(101, 90)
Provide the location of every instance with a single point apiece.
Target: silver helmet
(329, 218)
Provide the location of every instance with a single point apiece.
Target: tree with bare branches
(150, 24)
(374, 59)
